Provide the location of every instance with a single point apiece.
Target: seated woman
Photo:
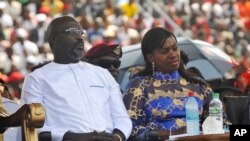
(155, 99)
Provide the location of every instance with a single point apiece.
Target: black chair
(228, 91)
(45, 136)
(237, 109)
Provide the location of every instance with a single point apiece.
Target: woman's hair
(154, 39)
(184, 57)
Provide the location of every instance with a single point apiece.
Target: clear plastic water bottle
(192, 115)
(216, 111)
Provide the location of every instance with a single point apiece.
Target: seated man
(82, 101)
(105, 56)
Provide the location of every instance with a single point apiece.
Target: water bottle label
(214, 111)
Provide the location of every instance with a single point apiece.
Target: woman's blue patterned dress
(157, 102)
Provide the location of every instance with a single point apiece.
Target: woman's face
(167, 58)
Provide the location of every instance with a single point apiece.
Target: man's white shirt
(77, 97)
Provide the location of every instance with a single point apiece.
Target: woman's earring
(153, 67)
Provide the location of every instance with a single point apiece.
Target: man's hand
(92, 136)
(102, 136)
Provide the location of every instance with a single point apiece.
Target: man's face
(68, 45)
(109, 62)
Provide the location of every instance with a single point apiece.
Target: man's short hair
(104, 49)
(56, 24)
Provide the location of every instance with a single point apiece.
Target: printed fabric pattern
(157, 102)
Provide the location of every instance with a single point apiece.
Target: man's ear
(52, 40)
(52, 44)
(150, 58)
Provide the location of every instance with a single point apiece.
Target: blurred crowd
(23, 43)
(223, 23)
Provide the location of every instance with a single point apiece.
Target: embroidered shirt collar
(167, 76)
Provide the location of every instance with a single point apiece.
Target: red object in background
(243, 81)
(15, 81)
(247, 24)
(44, 10)
(244, 9)
(15, 77)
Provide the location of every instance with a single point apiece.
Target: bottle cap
(216, 95)
(191, 93)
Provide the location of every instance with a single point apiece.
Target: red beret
(16, 77)
(103, 49)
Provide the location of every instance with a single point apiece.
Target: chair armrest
(29, 116)
(33, 114)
